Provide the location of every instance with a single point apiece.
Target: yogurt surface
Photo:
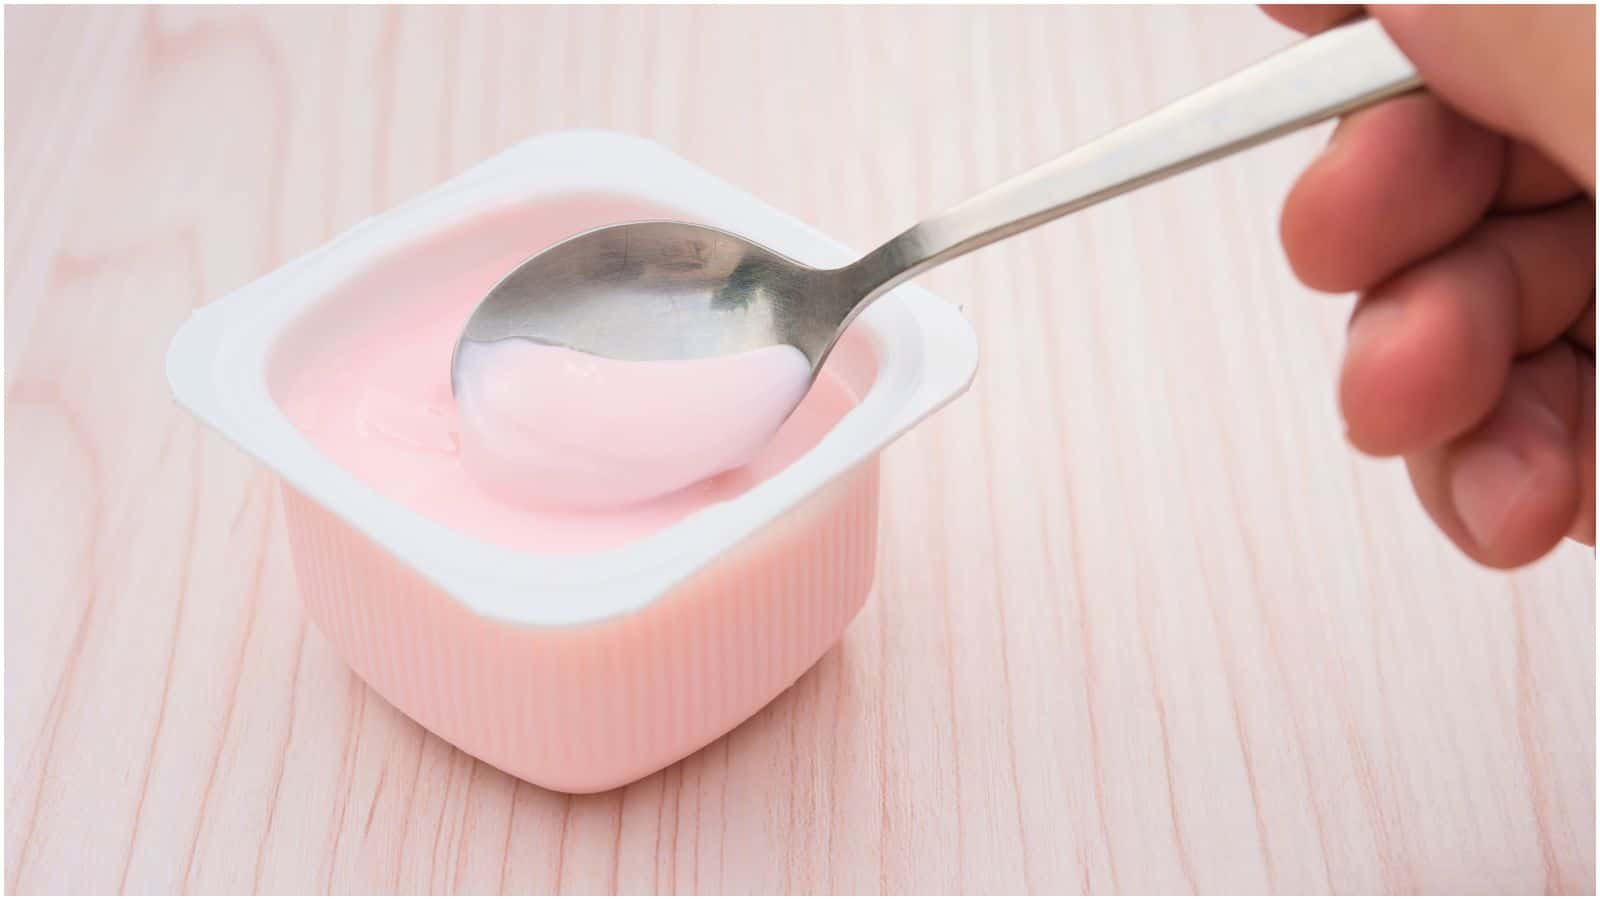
(374, 395)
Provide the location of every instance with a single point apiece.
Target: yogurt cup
(576, 672)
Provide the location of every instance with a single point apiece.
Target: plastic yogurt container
(577, 671)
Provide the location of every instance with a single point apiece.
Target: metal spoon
(672, 290)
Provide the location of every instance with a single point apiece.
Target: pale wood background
(1142, 623)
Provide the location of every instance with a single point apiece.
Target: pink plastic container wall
(590, 707)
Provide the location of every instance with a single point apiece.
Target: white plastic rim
(926, 352)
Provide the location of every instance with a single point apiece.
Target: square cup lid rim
(216, 365)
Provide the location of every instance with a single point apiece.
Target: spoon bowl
(661, 290)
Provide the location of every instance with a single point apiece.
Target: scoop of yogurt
(551, 426)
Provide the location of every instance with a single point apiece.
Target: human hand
(1465, 218)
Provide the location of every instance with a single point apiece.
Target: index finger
(1310, 18)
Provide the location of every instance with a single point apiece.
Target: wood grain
(1142, 622)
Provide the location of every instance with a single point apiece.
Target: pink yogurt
(553, 427)
(373, 393)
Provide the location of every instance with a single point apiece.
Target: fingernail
(1337, 137)
(1371, 321)
(1534, 410)
(1488, 482)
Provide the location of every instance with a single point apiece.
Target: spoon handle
(1335, 72)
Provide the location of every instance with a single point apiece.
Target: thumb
(1527, 71)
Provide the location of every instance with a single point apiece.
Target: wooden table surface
(1142, 621)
